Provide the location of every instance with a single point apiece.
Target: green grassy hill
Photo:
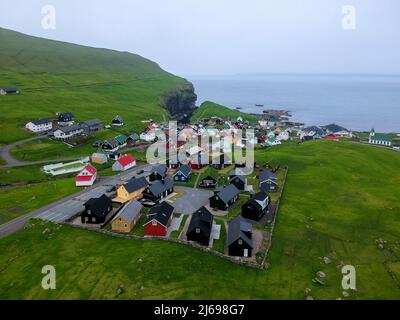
(340, 197)
(55, 76)
(210, 109)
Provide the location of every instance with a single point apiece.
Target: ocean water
(355, 102)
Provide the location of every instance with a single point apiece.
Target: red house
(124, 163)
(158, 220)
(86, 177)
(332, 137)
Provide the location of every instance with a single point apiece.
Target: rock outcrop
(180, 102)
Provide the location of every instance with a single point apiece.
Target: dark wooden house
(268, 181)
(224, 197)
(65, 118)
(158, 190)
(239, 240)
(220, 162)
(159, 173)
(256, 207)
(96, 210)
(239, 182)
(200, 226)
(183, 174)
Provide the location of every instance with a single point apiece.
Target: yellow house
(131, 190)
(127, 217)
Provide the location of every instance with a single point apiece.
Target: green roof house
(381, 139)
(121, 139)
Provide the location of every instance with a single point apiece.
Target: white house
(380, 139)
(86, 177)
(68, 132)
(39, 125)
(344, 134)
(283, 136)
(148, 136)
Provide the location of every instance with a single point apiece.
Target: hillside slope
(210, 109)
(56, 76)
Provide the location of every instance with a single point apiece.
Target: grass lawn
(28, 174)
(210, 109)
(18, 201)
(236, 209)
(350, 190)
(191, 182)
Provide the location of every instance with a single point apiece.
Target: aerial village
(202, 201)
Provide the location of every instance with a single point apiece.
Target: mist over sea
(357, 102)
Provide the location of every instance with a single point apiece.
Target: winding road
(11, 162)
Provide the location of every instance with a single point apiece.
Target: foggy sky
(195, 37)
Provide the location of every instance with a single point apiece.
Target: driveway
(175, 224)
(191, 200)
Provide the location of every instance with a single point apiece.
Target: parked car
(141, 171)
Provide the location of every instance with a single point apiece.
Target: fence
(236, 260)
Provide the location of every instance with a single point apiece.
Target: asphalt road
(191, 200)
(5, 153)
(67, 207)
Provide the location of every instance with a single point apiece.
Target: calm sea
(355, 102)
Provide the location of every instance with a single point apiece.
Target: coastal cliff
(180, 102)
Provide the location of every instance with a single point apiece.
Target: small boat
(259, 105)
(239, 108)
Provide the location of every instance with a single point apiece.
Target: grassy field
(210, 109)
(91, 83)
(17, 201)
(339, 199)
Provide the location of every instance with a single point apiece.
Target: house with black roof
(158, 220)
(268, 181)
(159, 190)
(92, 125)
(110, 145)
(65, 118)
(209, 178)
(256, 207)
(4, 91)
(96, 210)
(239, 239)
(183, 174)
(224, 197)
(132, 190)
(117, 121)
(220, 162)
(239, 181)
(200, 226)
(159, 172)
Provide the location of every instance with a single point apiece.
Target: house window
(89, 211)
(154, 223)
(197, 230)
(125, 225)
(240, 241)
